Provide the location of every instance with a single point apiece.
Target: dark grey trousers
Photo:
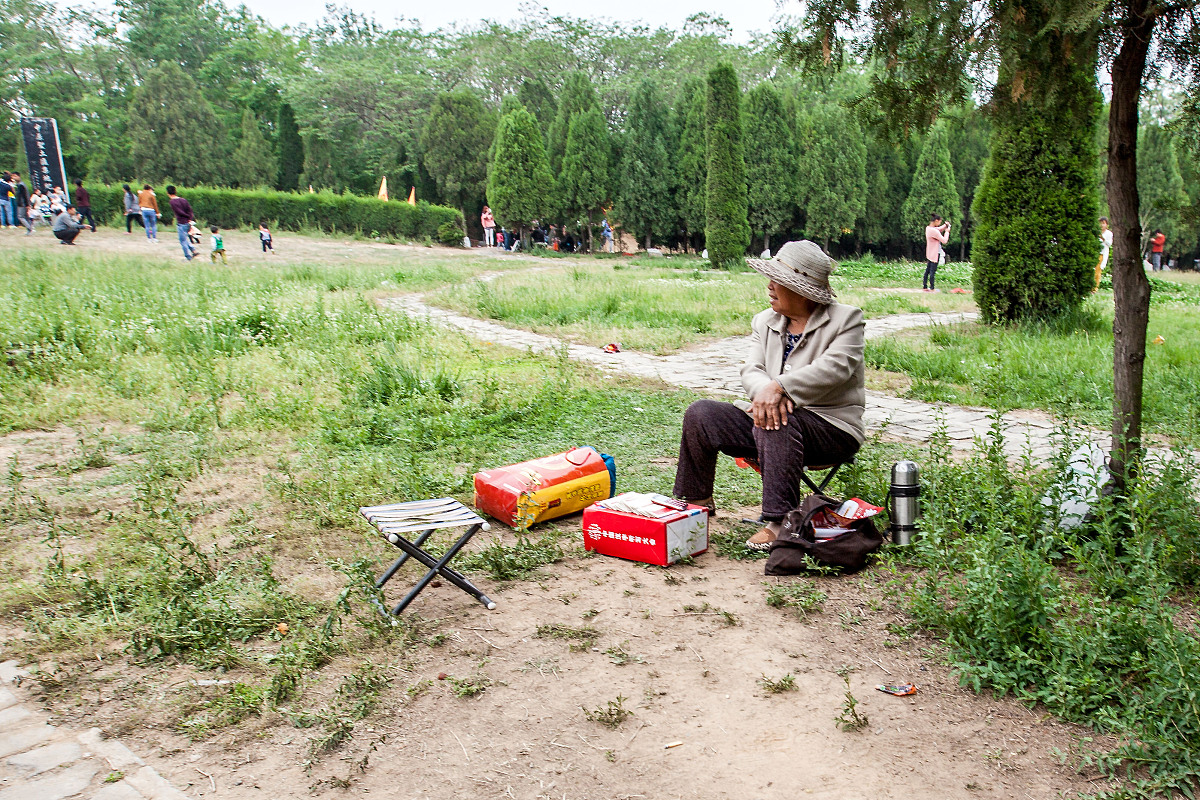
(711, 427)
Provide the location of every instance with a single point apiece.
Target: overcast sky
(744, 15)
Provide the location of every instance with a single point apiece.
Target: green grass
(661, 305)
(1062, 365)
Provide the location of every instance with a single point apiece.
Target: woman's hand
(771, 407)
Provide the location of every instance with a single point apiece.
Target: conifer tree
(727, 229)
(691, 160)
(933, 190)
(585, 175)
(770, 168)
(535, 96)
(289, 150)
(1161, 193)
(834, 166)
(576, 97)
(644, 205)
(519, 182)
(458, 134)
(1035, 245)
(173, 131)
(252, 163)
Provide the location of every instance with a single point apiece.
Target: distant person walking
(218, 245)
(148, 203)
(608, 236)
(1156, 249)
(133, 212)
(264, 236)
(21, 200)
(489, 227)
(65, 225)
(8, 211)
(1106, 240)
(83, 205)
(937, 233)
(184, 218)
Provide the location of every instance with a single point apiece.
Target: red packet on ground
(899, 690)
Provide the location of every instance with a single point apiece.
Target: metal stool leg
(439, 567)
(399, 562)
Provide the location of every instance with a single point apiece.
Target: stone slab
(69, 782)
(47, 757)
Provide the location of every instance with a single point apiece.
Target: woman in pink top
(489, 227)
(937, 233)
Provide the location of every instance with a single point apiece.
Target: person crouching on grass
(65, 225)
(805, 377)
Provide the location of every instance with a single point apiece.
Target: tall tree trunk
(767, 242)
(1131, 290)
(647, 241)
(591, 249)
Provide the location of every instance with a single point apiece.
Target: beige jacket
(824, 373)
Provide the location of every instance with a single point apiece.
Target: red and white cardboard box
(659, 540)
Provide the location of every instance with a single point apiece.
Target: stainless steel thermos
(904, 499)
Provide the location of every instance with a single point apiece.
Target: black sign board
(44, 154)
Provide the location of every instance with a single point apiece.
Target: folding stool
(398, 520)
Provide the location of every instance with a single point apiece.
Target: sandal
(761, 541)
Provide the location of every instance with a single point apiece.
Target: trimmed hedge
(290, 211)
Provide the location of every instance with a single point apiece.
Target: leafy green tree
(1160, 188)
(933, 187)
(727, 226)
(691, 160)
(585, 174)
(835, 169)
(458, 134)
(289, 150)
(252, 163)
(519, 182)
(770, 168)
(535, 96)
(644, 204)
(173, 131)
(888, 181)
(577, 96)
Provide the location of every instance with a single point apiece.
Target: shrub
(294, 211)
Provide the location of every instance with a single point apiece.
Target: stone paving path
(39, 761)
(714, 369)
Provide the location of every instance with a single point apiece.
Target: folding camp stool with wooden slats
(398, 520)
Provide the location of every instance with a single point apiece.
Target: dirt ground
(696, 639)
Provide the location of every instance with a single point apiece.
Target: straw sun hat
(802, 267)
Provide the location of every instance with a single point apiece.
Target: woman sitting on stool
(804, 375)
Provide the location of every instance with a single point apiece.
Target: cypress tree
(933, 190)
(691, 160)
(582, 186)
(535, 96)
(458, 133)
(1035, 245)
(770, 168)
(173, 131)
(289, 150)
(252, 162)
(727, 229)
(577, 96)
(644, 205)
(519, 181)
(1161, 193)
(835, 169)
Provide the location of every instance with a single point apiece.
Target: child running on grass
(264, 236)
(218, 245)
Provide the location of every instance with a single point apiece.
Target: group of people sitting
(19, 206)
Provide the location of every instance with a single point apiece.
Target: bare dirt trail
(697, 640)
